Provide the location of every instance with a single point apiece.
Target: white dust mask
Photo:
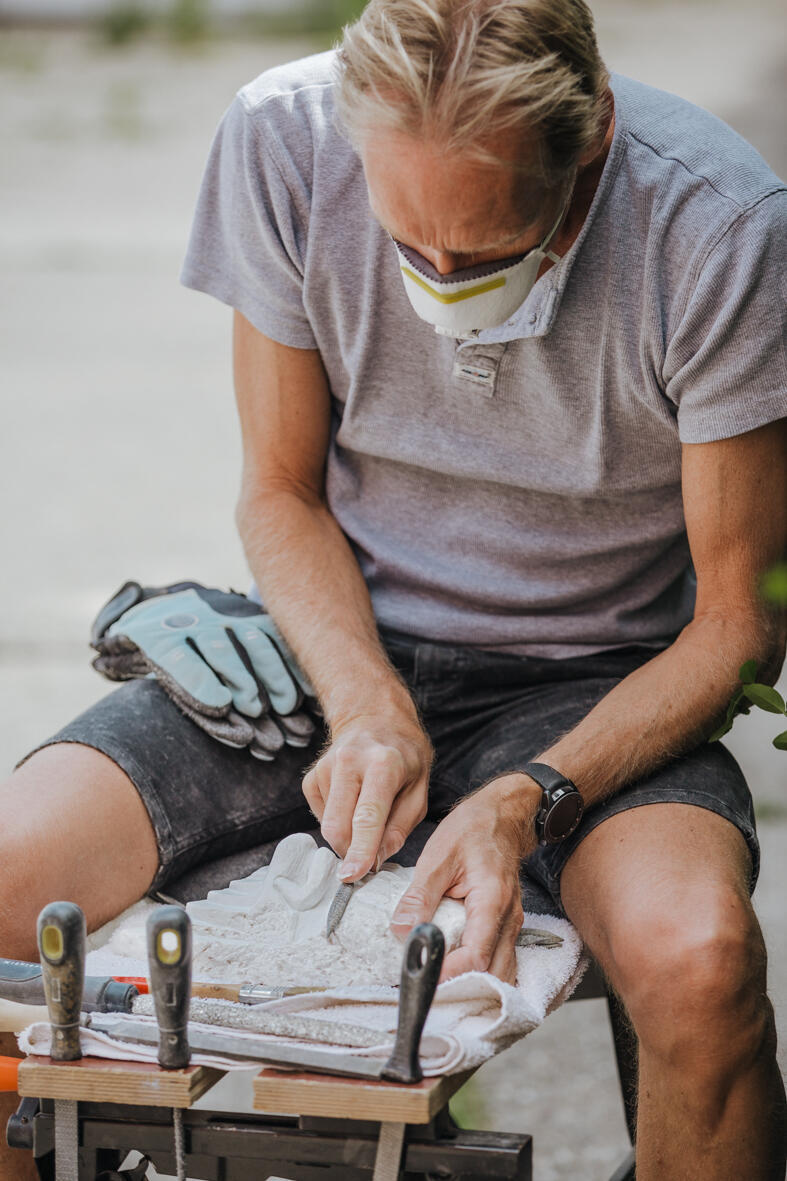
(473, 298)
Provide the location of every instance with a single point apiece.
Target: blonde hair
(457, 70)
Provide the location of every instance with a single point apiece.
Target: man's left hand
(474, 856)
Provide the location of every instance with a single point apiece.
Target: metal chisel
(61, 945)
(423, 958)
(23, 983)
(244, 994)
(169, 967)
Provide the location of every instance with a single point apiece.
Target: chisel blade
(535, 937)
(421, 962)
(338, 906)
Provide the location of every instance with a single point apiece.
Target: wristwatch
(561, 804)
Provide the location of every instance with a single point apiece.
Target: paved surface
(119, 448)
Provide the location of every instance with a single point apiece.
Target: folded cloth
(269, 928)
(37, 1039)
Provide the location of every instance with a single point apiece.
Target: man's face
(453, 209)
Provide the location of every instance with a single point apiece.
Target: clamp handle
(61, 946)
(421, 964)
(169, 969)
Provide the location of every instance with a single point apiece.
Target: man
(516, 554)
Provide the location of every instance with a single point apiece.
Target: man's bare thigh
(74, 827)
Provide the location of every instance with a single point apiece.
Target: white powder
(269, 928)
(362, 950)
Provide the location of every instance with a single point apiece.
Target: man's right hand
(369, 789)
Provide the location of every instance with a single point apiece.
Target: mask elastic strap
(563, 211)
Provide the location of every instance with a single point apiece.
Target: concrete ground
(119, 450)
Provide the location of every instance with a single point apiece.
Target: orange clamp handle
(139, 982)
(9, 1072)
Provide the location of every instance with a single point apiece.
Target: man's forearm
(311, 584)
(665, 707)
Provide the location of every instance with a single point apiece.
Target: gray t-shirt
(520, 491)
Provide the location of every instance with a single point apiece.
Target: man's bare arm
(735, 505)
(735, 497)
(312, 585)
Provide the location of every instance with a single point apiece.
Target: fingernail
(389, 850)
(348, 869)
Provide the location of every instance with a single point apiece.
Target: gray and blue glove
(218, 657)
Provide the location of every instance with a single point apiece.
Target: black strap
(546, 776)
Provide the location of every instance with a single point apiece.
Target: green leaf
(765, 697)
(780, 741)
(722, 730)
(774, 583)
(748, 672)
(734, 705)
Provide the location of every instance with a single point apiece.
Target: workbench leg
(388, 1161)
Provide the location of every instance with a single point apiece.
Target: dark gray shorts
(217, 811)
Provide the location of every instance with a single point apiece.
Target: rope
(180, 1149)
(66, 1140)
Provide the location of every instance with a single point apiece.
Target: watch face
(563, 816)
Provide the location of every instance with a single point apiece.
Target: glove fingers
(298, 729)
(190, 679)
(267, 735)
(232, 730)
(269, 667)
(218, 650)
(291, 664)
(123, 668)
(116, 646)
(258, 753)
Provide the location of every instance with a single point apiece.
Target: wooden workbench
(108, 1080)
(351, 1129)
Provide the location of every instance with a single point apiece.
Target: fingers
(217, 649)
(409, 809)
(368, 792)
(340, 801)
(197, 678)
(503, 963)
(297, 729)
(493, 919)
(423, 896)
(268, 664)
(383, 778)
(316, 785)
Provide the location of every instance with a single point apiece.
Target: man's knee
(73, 827)
(20, 897)
(692, 977)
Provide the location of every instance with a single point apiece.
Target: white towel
(268, 928)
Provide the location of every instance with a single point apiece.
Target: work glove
(218, 657)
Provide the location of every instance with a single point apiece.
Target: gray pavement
(119, 449)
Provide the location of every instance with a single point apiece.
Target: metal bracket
(230, 1147)
(19, 1129)
(137, 1172)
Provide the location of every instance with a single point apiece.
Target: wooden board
(105, 1080)
(353, 1098)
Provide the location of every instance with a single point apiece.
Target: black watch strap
(546, 776)
(561, 803)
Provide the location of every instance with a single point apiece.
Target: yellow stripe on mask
(479, 289)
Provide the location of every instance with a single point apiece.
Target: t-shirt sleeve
(247, 240)
(725, 366)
